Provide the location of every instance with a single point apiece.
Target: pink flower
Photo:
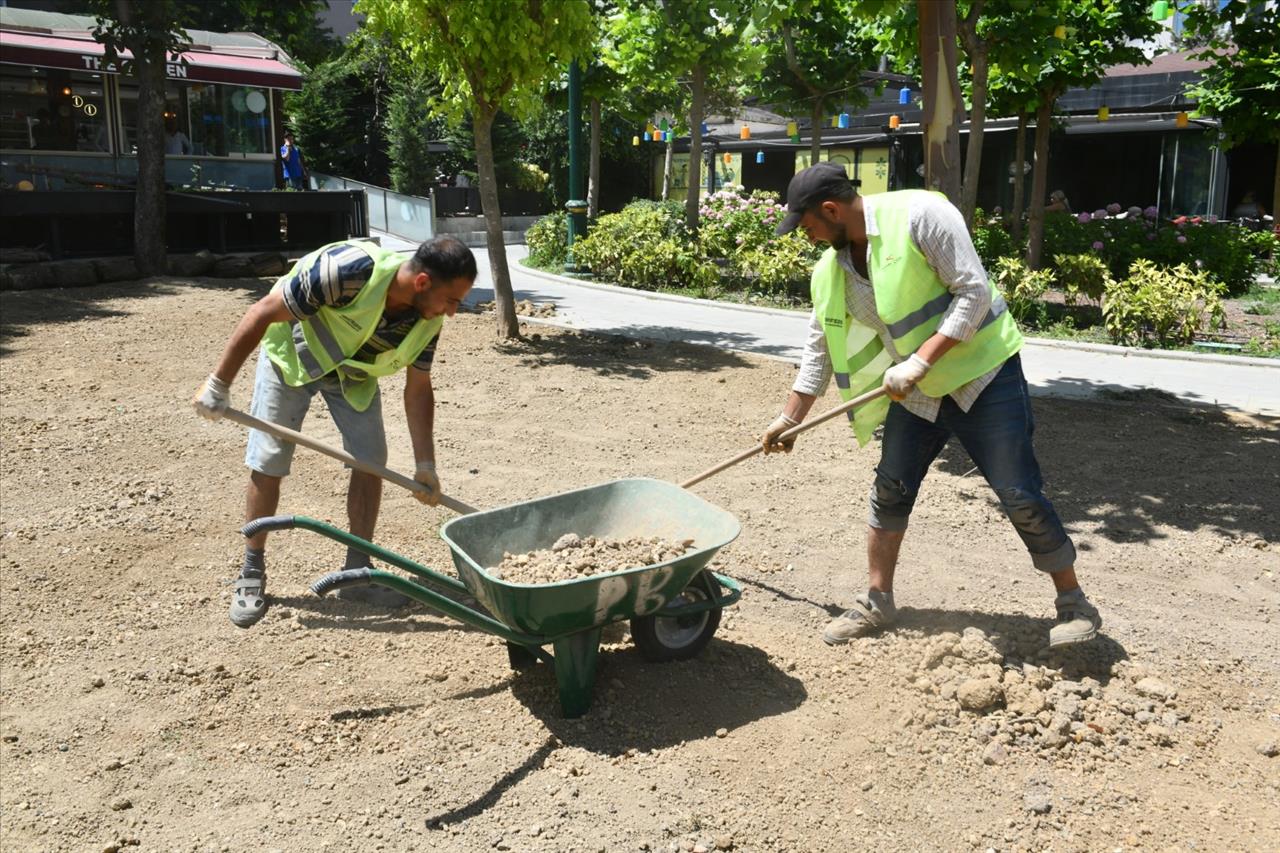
(1182, 238)
(1097, 245)
(1082, 218)
(1114, 208)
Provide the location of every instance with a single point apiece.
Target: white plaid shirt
(938, 230)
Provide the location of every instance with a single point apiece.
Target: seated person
(1058, 201)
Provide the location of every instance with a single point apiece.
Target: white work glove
(426, 475)
(782, 423)
(902, 377)
(213, 398)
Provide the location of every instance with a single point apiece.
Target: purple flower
(1097, 245)
(1082, 218)
(1151, 212)
(1134, 212)
(1099, 214)
(1182, 238)
(1114, 208)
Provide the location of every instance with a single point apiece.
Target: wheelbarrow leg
(575, 657)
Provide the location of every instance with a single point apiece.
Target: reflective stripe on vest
(329, 341)
(911, 300)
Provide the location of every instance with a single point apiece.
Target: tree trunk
(977, 128)
(1019, 181)
(593, 165)
(1039, 178)
(695, 148)
(504, 299)
(1275, 190)
(668, 169)
(815, 144)
(942, 101)
(149, 201)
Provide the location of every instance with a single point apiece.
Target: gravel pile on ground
(574, 557)
(987, 695)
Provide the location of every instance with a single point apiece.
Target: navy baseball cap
(811, 186)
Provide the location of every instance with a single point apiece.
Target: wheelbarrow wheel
(666, 638)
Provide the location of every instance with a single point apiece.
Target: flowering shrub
(1226, 252)
(730, 220)
(1081, 275)
(645, 245)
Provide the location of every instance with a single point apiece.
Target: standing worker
(900, 299)
(345, 315)
(291, 165)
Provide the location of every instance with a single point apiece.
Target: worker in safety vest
(900, 299)
(344, 316)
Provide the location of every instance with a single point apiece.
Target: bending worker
(900, 299)
(344, 316)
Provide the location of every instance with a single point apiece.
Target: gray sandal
(249, 600)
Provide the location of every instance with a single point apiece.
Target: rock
(197, 264)
(1068, 706)
(1024, 700)
(116, 269)
(722, 732)
(979, 694)
(976, 648)
(995, 753)
(268, 263)
(29, 277)
(233, 266)
(1159, 735)
(1154, 688)
(74, 273)
(1037, 801)
(569, 540)
(119, 804)
(724, 842)
(1270, 749)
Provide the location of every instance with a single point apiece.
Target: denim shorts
(363, 435)
(996, 432)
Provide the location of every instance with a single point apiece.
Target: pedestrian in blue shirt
(295, 173)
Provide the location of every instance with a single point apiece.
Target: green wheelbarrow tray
(636, 507)
(674, 606)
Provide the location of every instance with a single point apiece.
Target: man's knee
(891, 503)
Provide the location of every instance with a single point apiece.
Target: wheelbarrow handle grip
(791, 433)
(267, 524)
(337, 580)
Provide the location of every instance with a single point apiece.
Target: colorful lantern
(904, 95)
(745, 133)
(635, 140)
(792, 129)
(1159, 10)
(657, 136)
(704, 128)
(759, 156)
(835, 121)
(894, 121)
(664, 125)
(844, 120)
(666, 136)
(1104, 113)
(1182, 119)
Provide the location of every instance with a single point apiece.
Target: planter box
(82, 223)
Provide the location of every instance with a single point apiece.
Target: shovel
(295, 437)
(791, 433)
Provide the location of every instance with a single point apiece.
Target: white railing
(410, 217)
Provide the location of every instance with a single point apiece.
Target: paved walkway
(1055, 368)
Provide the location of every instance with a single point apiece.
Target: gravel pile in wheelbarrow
(573, 557)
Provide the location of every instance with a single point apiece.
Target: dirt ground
(135, 716)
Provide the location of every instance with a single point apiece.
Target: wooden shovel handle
(791, 433)
(295, 437)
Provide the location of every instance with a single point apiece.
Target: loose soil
(574, 557)
(135, 715)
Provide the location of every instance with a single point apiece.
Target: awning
(18, 48)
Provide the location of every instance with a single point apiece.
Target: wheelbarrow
(673, 606)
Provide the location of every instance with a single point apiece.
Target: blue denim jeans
(996, 432)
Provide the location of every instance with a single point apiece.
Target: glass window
(229, 119)
(177, 130)
(51, 109)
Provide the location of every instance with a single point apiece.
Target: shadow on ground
(615, 355)
(21, 309)
(1136, 461)
(644, 706)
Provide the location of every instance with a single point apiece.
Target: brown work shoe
(871, 613)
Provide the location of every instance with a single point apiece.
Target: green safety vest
(332, 337)
(910, 299)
